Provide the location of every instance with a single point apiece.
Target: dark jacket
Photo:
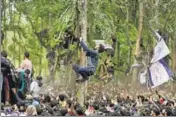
(91, 54)
(5, 66)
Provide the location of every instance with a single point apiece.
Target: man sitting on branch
(92, 61)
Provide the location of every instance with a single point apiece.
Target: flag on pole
(161, 51)
(159, 73)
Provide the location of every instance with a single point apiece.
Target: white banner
(158, 74)
(161, 51)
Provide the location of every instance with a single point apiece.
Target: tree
(83, 34)
(138, 42)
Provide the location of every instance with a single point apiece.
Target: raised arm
(86, 49)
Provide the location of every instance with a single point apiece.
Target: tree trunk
(83, 19)
(73, 76)
(138, 58)
(127, 34)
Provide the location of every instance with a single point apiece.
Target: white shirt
(35, 89)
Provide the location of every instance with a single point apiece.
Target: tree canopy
(42, 27)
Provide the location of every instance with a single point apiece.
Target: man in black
(9, 84)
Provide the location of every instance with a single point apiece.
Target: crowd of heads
(104, 105)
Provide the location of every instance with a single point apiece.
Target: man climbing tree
(92, 57)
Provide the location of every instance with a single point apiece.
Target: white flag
(158, 74)
(161, 51)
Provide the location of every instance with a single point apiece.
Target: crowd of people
(17, 82)
(22, 95)
(104, 105)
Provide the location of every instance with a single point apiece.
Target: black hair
(168, 111)
(80, 111)
(69, 102)
(111, 105)
(119, 99)
(164, 35)
(4, 54)
(61, 97)
(96, 106)
(101, 48)
(39, 78)
(54, 103)
(47, 98)
(27, 71)
(26, 54)
(156, 111)
(64, 112)
(86, 104)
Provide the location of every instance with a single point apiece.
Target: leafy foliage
(24, 19)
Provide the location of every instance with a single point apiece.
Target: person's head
(96, 106)
(4, 54)
(39, 110)
(22, 108)
(101, 48)
(155, 112)
(31, 110)
(26, 55)
(47, 98)
(39, 80)
(80, 111)
(63, 112)
(61, 97)
(54, 103)
(27, 72)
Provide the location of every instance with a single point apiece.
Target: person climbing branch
(92, 58)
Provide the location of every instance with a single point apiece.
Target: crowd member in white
(35, 89)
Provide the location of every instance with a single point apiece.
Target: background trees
(39, 26)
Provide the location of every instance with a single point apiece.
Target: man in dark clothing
(9, 84)
(5, 69)
(92, 58)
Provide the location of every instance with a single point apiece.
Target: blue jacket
(92, 56)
